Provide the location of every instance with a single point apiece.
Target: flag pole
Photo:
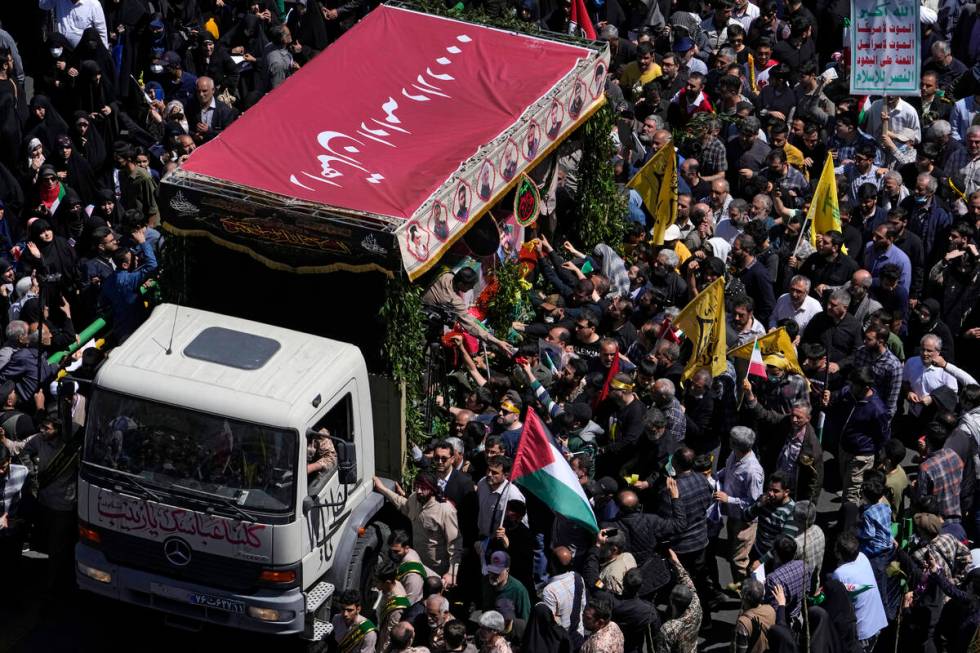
(799, 240)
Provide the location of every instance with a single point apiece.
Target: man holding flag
(656, 184)
(824, 213)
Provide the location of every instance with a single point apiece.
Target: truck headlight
(95, 574)
(268, 614)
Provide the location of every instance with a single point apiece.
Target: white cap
(673, 232)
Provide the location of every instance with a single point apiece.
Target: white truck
(193, 495)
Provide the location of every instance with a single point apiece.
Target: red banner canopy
(410, 118)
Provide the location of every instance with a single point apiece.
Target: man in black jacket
(837, 330)
(207, 116)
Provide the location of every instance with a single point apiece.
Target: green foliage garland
(507, 302)
(404, 348)
(602, 206)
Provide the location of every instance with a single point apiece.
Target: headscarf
(91, 48)
(33, 144)
(614, 269)
(543, 634)
(169, 111)
(720, 248)
(93, 149)
(47, 129)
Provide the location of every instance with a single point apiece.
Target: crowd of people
(837, 488)
(686, 471)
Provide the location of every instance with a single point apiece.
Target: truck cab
(193, 495)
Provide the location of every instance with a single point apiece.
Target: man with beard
(453, 484)
(863, 306)
(436, 535)
(411, 572)
(652, 453)
(508, 423)
(745, 326)
(797, 304)
(625, 425)
(499, 584)
(619, 324)
(828, 267)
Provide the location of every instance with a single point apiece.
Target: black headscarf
(57, 256)
(543, 635)
(311, 26)
(48, 129)
(93, 147)
(248, 33)
(91, 48)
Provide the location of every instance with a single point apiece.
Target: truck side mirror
(346, 462)
(309, 503)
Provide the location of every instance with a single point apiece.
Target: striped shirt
(773, 520)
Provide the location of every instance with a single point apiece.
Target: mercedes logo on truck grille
(177, 551)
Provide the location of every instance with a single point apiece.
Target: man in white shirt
(797, 304)
(928, 371)
(900, 114)
(493, 492)
(72, 17)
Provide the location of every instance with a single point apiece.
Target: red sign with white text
(386, 116)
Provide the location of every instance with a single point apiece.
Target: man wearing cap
(179, 84)
(499, 584)
(687, 50)
(72, 17)
(491, 632)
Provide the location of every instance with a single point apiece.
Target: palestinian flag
(864, 105)
(756, 366)
(540, 469)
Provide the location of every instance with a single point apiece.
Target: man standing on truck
(445, 294)
(353, 632)
(121, 291)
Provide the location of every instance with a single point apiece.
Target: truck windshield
(249, 465)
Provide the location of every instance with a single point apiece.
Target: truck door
(337, 422)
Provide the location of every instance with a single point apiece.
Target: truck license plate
(216, 603)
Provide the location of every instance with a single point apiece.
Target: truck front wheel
(364, 562)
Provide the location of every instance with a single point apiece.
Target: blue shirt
(873, 262)
(121, 292)
(857, 576)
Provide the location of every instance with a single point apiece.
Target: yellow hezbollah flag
(703, 322)
(776, 344)
(656, 182)
(824, 214)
